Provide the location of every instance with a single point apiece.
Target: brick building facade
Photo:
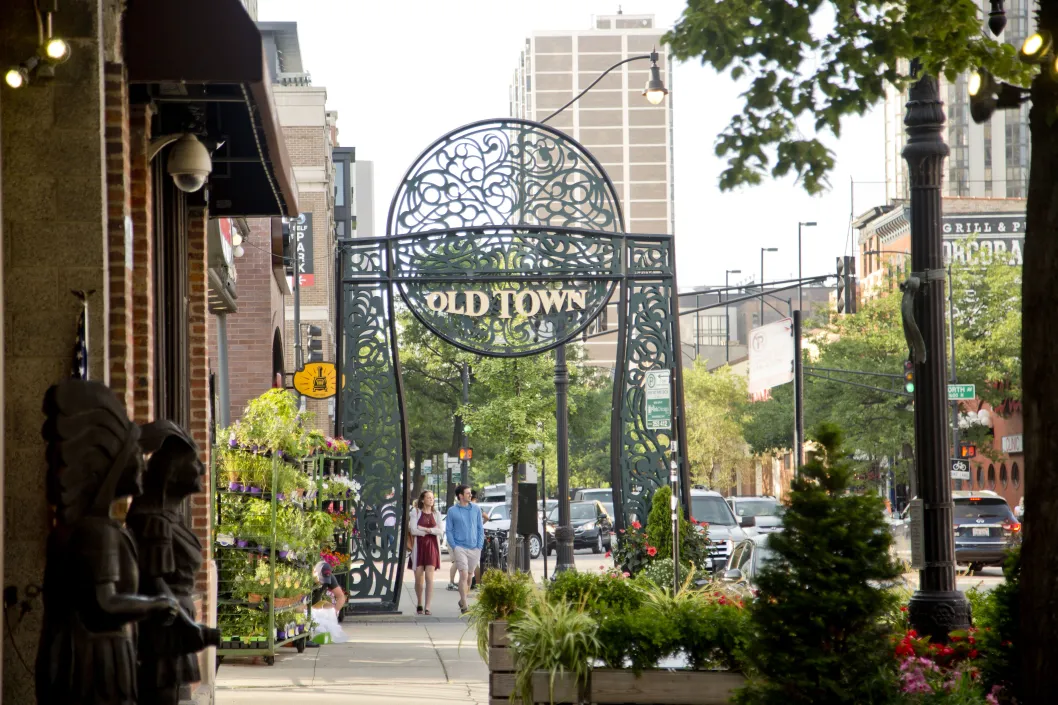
(86, 204)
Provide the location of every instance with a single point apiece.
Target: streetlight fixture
(762, 251)
(727, 313)
(654, 91)
(800, 299)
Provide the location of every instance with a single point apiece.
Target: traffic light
(967, 450)
(846, 287)
(909, 377)
(466, 453)
(315, 346)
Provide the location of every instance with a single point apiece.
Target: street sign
(317, 380)
(771, 356)
(658, 394)
(961, 392)
(960, 469)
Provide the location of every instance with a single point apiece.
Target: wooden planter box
(608, 685)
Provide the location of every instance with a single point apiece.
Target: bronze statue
(87, 648)
(169, 557)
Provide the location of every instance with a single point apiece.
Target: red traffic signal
(466, 453)
(967, 450)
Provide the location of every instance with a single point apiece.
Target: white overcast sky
(401, 73)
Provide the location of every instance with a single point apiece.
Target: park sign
(771, 356)
(317, 380)
(657, 393)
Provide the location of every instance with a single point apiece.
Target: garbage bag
(326, 619)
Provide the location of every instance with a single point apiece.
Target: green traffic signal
(909, 377)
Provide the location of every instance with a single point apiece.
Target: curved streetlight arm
(653, 56)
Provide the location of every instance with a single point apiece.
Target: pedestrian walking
(426, 556)
(466, 537)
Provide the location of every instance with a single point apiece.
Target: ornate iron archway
(505, 238)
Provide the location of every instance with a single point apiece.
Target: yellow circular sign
(317, 380)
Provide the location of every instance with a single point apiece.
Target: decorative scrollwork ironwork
(372, 417)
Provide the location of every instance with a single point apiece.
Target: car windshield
(577, 512)
(755, 508)
(601, 495)
(499, 512)
(982, 508)
(762, 556)
(711, 510)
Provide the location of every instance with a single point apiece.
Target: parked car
(593, 495)
(724, 530)
(500, 520)
(591, 524)
(746, 560)
(766, 512)
(985, 527)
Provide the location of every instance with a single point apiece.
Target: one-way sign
(960, 469)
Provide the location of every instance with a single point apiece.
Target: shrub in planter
(997, 614)
(817, 628)
(555, 637)
(501, 596)
(660, 572)
(637, 639)
(596, 594)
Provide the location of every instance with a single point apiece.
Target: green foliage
(502, 596)
(637, 639)
(997, 616)
(818, 632)
(659, 523)
(272, 422)
(717, 406)
(660, 572)
(767, 427)
(598, 594)
(637, 548)
(555, 637)
(797, 76)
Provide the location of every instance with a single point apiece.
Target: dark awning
(207, 56)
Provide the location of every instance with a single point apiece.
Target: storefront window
(980, 477)
(1015, 475)
(991, 477)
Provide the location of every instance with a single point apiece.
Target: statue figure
(87, 648)
(169, 557)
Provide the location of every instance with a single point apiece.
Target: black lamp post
(727, 314)
(937, 607)
(762, 251)
(655, 93)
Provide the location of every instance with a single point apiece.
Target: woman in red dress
(425, 558)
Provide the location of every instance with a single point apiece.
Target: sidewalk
(389, 660)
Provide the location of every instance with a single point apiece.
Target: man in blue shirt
(466, 537)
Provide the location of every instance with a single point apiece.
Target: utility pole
(937, 607)
(799, 395)
(800, 299)
(727, 312)
(464, 464)
(762, 251)
(563, 532)
(954, 380)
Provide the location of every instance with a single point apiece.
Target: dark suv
(985, 528)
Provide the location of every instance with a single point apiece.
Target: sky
(401, 73)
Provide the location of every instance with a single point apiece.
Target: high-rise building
(631, 138)
(986, 161)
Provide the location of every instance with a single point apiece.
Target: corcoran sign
(524, 303)
(301, 234)
(991, 236)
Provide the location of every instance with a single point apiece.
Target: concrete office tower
(364, 199)
(987, 161)
(629, 136)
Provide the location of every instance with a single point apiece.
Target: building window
(980, 477)
(1015, 475)
(991, 477)
(339, 183)
(1003, 476)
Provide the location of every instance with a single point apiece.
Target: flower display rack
(339, 496)
(265, 545)
(609, 686)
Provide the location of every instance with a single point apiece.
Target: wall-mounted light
(1036, 47)
(51, 51)
(19, 76)
(987, 95)
(57, 50)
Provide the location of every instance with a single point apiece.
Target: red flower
(903, 609)
(973, 653)
(651, 551)
(608, 554)
(636, 525)
(722, 600)
(693, 520)
(620, 531)
(912, 633)
(955, 637)
(904, 649)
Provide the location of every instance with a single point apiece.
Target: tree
(516, 398)
(796, 77)
(716, 411)
(817, 629)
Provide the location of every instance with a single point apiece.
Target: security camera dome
(189, 164)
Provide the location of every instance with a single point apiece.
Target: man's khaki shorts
(466, 559)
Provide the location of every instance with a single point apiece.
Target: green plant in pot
(555, 637)
(501, 597)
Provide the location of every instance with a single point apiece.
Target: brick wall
(252, 328)
(198, 341)
(141, 206)
(119, 234)
(306, 145)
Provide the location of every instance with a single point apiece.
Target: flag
(80, 349)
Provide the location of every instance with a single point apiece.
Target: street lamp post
(809, 224)
(937, 607)
(654, 91)
(727, 313)
(762, 251)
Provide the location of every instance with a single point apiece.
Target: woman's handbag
(409, 539)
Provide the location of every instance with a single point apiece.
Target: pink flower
(608, 554)
(651, 551)
(626, 574)
(636, 525)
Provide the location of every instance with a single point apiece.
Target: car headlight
(589, 526)
(550, 529)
